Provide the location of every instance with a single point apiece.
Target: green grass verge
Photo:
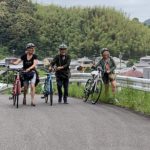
(136, 100)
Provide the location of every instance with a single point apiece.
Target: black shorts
(106, 78)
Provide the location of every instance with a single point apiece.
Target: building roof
(142, 64)
(146, 57)
(132, 73)
(84, 59)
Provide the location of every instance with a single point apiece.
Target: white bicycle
(93, 87)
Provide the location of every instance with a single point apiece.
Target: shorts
(32, 81)
(106, 78)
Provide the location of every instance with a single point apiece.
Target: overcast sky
(133, 8)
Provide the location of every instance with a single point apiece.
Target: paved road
(77, 126)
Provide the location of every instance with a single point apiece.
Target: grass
(134, 99)
(129, 98)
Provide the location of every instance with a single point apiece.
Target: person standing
(62, 63)
(29, 60)
(108, 67)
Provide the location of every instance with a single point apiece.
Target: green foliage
(127, 97)
(84, 30)
(134, 99)
(130, 63)
(76, 90)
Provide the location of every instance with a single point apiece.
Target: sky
(133, 8)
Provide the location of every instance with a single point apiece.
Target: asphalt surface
(76, 126)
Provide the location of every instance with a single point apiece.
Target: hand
(108, 71)
(59, 68)
(50, 68)
(12, 62)
(27, 70)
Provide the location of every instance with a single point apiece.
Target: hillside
(147, 22)
(84, 30)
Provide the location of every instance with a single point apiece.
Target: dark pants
(62, 82)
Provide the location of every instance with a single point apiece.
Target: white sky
(133, 8)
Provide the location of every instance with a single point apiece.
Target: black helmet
(63, 46)
(104, 49)
(29, 45)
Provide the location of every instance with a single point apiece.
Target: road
(76, 126)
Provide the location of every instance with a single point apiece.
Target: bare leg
(106, 90)
(113, 86)
(32, 93)
(25, 93)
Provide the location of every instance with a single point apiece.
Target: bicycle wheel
(87, 89)
(18, 91)
(51, 94)
(97, 92)
(17, 98)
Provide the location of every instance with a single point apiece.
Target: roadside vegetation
(129, 98)
(84, 30)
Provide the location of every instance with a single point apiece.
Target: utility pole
(120, 57)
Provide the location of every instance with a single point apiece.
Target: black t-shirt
(28, 63)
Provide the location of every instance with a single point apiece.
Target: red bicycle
(16, 89)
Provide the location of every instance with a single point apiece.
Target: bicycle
(16, 89)
(48, 88)
(93, 87)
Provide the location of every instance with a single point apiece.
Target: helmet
(63, 46)
(104, 49)
(29, 45)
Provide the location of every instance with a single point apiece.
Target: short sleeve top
(28, 63)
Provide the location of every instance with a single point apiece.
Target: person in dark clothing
(62, 63)
(29, 60)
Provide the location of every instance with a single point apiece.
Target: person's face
(31, 50)
(105, 55)
(63, 51)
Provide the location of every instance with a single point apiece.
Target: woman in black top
(29, 60)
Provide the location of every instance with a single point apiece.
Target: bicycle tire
(51, 94)
(87, 89)
(17, 98)
(18, 91)
(97, 91)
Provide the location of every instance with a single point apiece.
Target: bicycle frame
(95, 79)
(17, 85)
(48, 81)
(16, 90)
(48, 88)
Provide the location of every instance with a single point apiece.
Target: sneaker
(116, 100)
(33, 105)
(66, 103)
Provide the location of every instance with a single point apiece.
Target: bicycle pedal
(42, 97)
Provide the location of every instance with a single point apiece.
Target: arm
(68, 63)
(113, 66)
(16, 62)
(53, 61)
(94, 67)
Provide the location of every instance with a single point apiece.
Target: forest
(86, 30)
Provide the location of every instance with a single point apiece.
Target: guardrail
(122, 81)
